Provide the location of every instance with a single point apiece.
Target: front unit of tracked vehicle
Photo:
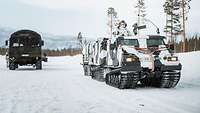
(166, 67)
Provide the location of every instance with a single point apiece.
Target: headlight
(130, 59)
(174, 58)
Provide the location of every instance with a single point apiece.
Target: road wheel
(38, 65)
(16, 66)
(12, 66)
(146, 82)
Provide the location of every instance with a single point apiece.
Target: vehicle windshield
(24, 43)
(155, 42)
(131, 42)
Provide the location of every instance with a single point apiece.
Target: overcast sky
(68, 17)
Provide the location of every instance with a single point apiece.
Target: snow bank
(191, 68)
(61, 87)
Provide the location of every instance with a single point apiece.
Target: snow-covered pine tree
(176, 15)
(141, 12)
(112, 20)
(172, 8)
(185, 4)
(80, 38)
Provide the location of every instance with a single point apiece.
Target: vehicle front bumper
(171, 67)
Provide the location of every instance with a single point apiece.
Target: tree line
(52, 52)
(62, 52)
(176, 12)
(191, 44)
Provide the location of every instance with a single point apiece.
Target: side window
(104, 45)
(120, 40)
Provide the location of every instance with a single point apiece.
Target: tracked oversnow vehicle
(128, 61)
(124, 60)
(25, 48)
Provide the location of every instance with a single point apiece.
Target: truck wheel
(16, 66)
(12, 66)
(38, 65)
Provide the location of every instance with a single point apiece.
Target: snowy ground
(61, 88)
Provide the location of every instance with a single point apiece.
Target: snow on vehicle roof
(137, 37)
(144, 37)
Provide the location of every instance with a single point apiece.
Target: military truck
(24, 48)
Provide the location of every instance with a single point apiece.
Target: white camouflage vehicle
(128, 60)
(166, 68)
(110, 61)
(125, 60)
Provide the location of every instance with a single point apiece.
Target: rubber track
(122, 81)
(98, 75)
(169, 80)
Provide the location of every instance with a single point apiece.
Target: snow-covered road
(61, 88)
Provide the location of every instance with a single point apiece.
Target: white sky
(68, 17)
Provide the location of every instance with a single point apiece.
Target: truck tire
(12, 66)
(38, 65)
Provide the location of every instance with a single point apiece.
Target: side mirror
(44, 54)
(6, 42)
(120, 40)
(172, 47)
(42, 43)
(158, 31)
(135, 28)
(135, 31)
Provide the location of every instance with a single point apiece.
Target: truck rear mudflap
(26, 60)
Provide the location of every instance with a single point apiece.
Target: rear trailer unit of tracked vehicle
(114, 61)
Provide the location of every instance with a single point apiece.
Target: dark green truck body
(25, 48)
